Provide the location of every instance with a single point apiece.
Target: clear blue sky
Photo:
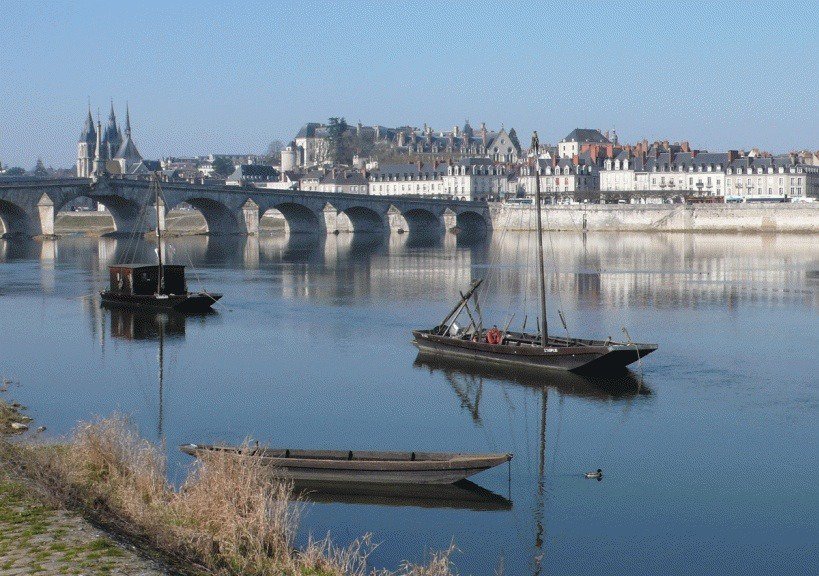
(226, 77)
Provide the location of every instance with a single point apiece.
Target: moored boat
(362, 466)
(154, 286)
(511, 350)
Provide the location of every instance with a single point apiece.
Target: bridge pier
(450, 220)
(45, 213)
(249, 218)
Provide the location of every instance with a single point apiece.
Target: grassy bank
(231, 516)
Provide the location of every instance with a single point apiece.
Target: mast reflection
(150, 326)
(467, 380)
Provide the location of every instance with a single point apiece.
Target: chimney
(684, 146)
(420, 165)
(610, 150)
(593, 152)
(575, 159)
(455, 131)
(693, 152)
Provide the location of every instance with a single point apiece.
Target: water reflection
(467, 380)
(463, 495)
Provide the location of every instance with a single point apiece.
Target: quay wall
(794, 217)
(592, 218)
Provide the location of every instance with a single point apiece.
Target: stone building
(561, 178)
(572, 143)
(476, 179)
(760, 178)
(418, 179)
(311, 145)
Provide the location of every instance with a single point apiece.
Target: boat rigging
(513, 349)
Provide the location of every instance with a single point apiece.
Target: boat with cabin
(511, 350)
(154, 286)
(362, 466)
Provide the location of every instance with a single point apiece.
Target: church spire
(127, 121)
(98, 153)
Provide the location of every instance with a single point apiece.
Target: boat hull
(190, 302)
(388, 468)
(580, 356)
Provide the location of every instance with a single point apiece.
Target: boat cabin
(142, 279)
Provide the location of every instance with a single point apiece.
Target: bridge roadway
(28, 206)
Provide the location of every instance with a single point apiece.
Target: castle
(107, 150)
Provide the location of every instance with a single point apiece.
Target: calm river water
(709, 451)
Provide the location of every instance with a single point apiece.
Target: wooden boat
(154, 286)
(513, 350)
(367, 467)
(518, 349)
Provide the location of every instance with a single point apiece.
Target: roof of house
(586, 135)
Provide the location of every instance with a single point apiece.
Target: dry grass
(231, 516)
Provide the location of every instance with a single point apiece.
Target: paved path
(38, 539)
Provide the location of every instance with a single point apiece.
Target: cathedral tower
(86, 147)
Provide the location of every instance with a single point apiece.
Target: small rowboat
(367, 467)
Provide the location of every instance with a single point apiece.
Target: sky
(230, 77)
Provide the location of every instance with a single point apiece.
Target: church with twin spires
(107, 150)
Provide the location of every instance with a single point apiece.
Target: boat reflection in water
(620, 385)
(463, 495)
(130, 324)
(467, 380)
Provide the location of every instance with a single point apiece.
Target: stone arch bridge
(28, 206)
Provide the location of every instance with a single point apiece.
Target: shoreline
(801, 218)
(108, 485)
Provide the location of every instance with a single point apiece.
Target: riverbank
(231, 515)
(37, 536)
(753, 218)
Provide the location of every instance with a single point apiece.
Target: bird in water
(598, 475)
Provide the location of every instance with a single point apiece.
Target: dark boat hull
(581, 356)
(190, 302)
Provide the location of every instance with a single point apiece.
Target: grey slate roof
(586, 135)
(398, 171)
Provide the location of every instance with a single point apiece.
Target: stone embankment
(801, 217)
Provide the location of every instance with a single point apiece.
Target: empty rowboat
(368, 467)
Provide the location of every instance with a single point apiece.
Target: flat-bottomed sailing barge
(154, 286)
(505, 348)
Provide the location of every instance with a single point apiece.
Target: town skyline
(727, 76)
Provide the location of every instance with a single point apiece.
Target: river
(709, 449)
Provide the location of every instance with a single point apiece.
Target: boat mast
(158, 235)
(544, 331)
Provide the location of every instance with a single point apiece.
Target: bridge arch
(219, 219)
(365, 220)
(14, 219)
(128, 215)
(300, 219)
(472, 223)
(423, 221)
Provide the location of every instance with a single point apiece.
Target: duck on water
(509, 349)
